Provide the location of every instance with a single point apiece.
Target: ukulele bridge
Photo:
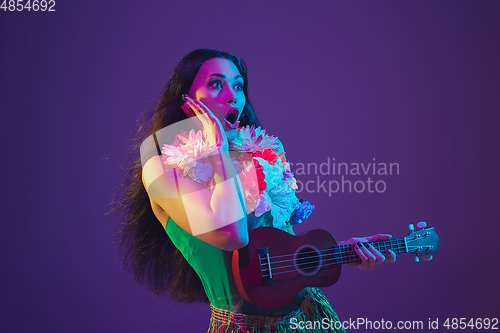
(265, 266)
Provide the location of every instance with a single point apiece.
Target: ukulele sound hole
(307, 260)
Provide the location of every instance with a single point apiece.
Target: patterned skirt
(315, 314)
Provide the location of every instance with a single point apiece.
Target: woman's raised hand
(212, 128)
(368, 255)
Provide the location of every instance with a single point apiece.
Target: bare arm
(217, 217)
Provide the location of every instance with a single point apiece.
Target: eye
(238, 87)
(216, 84)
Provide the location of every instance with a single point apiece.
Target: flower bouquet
(268, 183)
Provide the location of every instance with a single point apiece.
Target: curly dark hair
(147, 250)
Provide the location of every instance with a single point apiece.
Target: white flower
(278, 198)
(281, 202)
(263, 204)
(273, 174)
(251, 139)
(189, 155)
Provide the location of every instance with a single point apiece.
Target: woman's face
(219, 85)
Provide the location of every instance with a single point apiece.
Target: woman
(207, 196)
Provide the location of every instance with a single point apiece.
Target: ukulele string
(342, 252)
(347, 257)
(336, 254)
(341, 258)
(396, 244)
(325, 262)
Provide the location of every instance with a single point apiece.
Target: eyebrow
(237, 76)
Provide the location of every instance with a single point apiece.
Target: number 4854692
(35, 5)
(478, 323)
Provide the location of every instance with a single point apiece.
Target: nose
(231, 97)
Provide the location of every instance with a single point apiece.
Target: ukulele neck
(346, 254)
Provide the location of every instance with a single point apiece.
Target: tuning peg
(411, 227)
(422, 224)
(428, 257)
(416, 258)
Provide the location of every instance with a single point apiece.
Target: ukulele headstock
(424, 240)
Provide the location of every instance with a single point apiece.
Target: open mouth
(231, 118)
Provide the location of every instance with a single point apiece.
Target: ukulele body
(276, 266)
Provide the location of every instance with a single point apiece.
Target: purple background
(413, 82)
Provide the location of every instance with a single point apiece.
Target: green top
(213, 266)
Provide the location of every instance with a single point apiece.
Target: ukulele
(275, 266)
